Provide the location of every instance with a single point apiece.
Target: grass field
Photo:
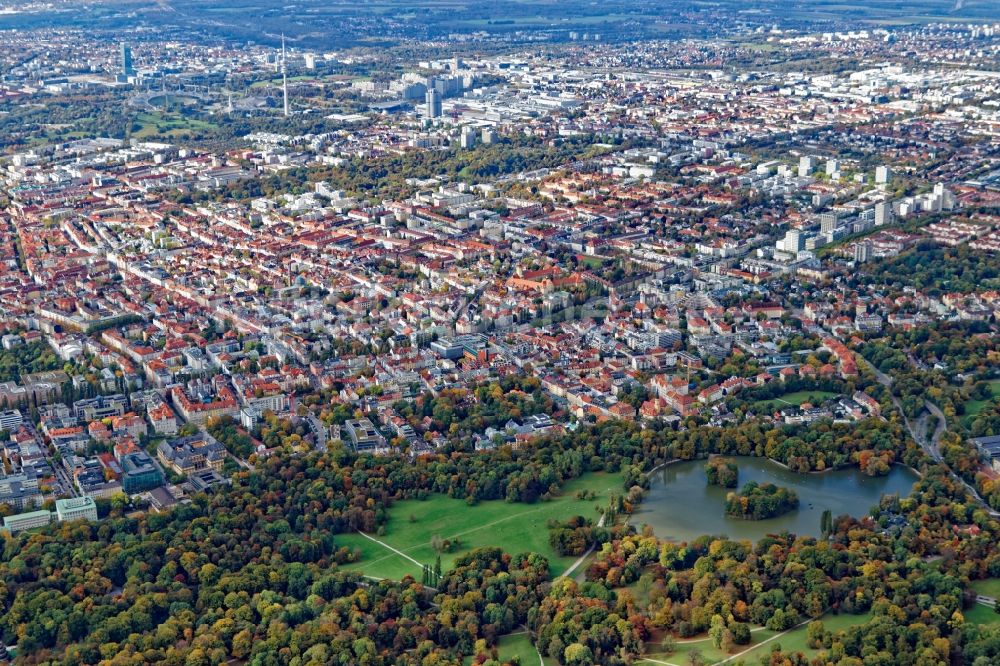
(515, 645)
(974, 407)
(291, 79)
(590, 262)
(795, 640)
(980, 614)
(762, 642)
(795, 398)
(514, 526)
(158, 124)
(709, 653)
(989, 587)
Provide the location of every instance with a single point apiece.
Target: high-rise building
(945, 198)
(793, 241)
(862, 251)
(832, 167)
(883, 213)
(828, 222)
(128, 68)
(468, 140)
(433, 101)
(883, 175)
(806, 164)
(489, 135)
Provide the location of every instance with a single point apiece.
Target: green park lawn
(514, 526)
(165, 124)
(795, 640)
(515, 645)
(294, 79)
(974, 407)
(592, 263)
(795, 398)
(980, 614)
(709, 653)
(762, 642)
(989, 587)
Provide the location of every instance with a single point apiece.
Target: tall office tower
(883, 175)
(128, 69)
(433, 100)
(883, 213)
(284, 74)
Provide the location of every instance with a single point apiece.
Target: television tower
(284, 74)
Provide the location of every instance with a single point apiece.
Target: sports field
(516, 527)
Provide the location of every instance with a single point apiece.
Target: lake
(680, 505)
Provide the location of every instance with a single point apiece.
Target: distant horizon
(469, 333)
(347, 24)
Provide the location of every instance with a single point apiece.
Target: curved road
(931, 447)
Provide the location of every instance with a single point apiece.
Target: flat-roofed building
(139, 473)
(364, 436)
(76, 508)
(10, 420)
(27, 521)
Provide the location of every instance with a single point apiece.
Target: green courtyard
(795, 398)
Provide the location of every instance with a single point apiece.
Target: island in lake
(722, 472)
(759, 501)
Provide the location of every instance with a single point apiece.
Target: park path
(600, 523)
(764, 642)
(388, 547)
(708, 638)
(453, 536)
(738, 654)
(579, 560)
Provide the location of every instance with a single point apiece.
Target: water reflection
(681, 505)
